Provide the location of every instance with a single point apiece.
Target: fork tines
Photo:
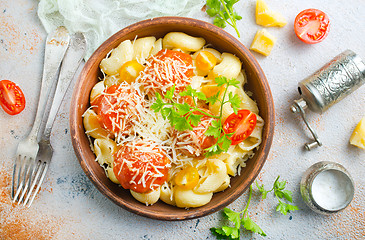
(40, 170)
(22, 176)
(27, 179)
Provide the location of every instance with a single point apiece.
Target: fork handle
(70, 64)
(56, 45)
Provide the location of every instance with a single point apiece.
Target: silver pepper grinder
(334, 81)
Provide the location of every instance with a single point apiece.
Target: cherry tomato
(12, 99)
(130, 71)
(187, 178)
(311, 25)
(241, 125)
(205, 60)
(117, 102)
(140, 170)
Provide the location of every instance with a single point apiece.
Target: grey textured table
(69, 206)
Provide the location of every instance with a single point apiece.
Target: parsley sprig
(229, 232)
(280, 193)
(223, 12)
(183, 116)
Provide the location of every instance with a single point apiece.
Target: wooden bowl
(158, 27)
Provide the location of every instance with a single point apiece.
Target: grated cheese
(144, 134)
(160, 75)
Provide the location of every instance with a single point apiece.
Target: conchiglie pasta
(96, 91)
(213, 177)
(142, 48)
(104, 150)
(246, 101)
(182, 41)
(111, 80)
(92, 125)
(255, 138)
(110, 174)
(234, 158)
(225, 184)
(188, 198)
(199, 163)
(123, 53)
(242, 78)
(167, 193)
(147, 198)
(196, 82)
(230, 67)
(180, 50)
(157, 46)
(202, 169)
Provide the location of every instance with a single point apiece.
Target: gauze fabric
(99, 19)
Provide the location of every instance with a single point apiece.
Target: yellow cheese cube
(358, 135)
(263, 42)
(266, 17)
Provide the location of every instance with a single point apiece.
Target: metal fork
(56, 45)
(70, 64)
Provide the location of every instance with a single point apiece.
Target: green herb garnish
(223, 12)
(183, 117)
(280, 193)
(229, 232)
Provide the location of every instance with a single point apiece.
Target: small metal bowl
(327, 187)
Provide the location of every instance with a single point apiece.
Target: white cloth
(99, 19)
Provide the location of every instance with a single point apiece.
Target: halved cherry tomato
(187, 178)
(12, 99)
(130, 71)
(312, 25)
(139, 170)
(241, 125)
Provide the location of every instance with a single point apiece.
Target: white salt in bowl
(327, 187)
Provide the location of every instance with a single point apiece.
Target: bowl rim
(269, 122)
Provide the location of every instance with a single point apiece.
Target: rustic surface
(69, 206)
